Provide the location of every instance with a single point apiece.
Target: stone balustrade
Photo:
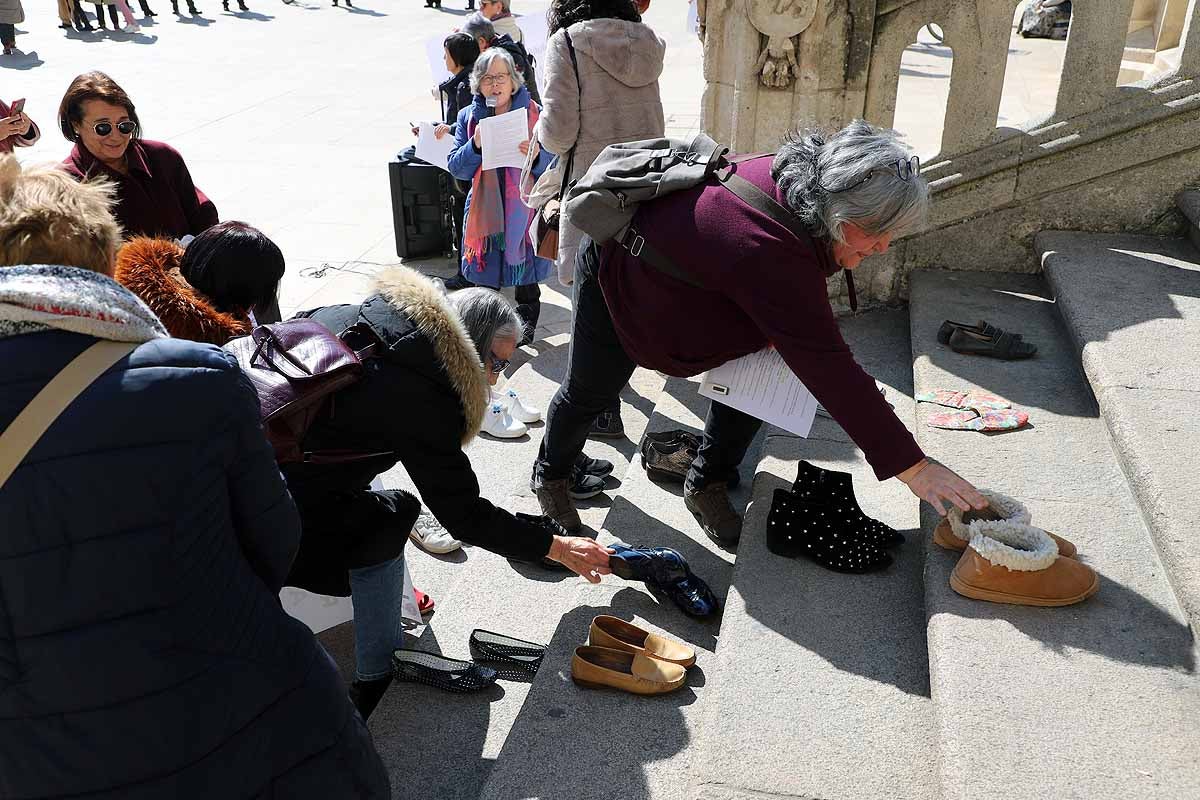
(1107, 158)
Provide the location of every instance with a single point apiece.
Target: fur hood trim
(1014, 545)
(424, 303)
(150, 269)
(1009, 509)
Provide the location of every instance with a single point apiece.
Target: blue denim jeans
(377, 592)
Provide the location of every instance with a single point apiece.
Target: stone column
(773, 65)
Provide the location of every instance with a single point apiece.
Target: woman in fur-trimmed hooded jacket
(215, 290)
(422, 398)
(150, 269)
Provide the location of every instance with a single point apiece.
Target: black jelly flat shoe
(836, 491)
(665, 571)
(798, 529)
(449, 674)
(511, 658)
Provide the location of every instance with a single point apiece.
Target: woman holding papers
(753, 283)
(496, 250)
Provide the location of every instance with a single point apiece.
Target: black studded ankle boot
(836, 490)
(798, 529)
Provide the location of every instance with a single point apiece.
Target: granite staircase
(813, 684)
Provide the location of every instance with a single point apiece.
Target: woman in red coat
(155, 193)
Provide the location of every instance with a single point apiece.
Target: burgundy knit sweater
(762, 286)
(157, 197)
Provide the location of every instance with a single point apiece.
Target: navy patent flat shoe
(666, 571)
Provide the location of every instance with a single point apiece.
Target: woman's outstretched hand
(581, 555)
(939, 485)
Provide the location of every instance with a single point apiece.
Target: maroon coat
(157, 198)
(762, 286)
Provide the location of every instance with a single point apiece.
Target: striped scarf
(496, 220)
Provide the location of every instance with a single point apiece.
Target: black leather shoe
(365, 695)
(666, 571)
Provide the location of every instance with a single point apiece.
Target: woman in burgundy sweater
(762, 286)
(155, 193)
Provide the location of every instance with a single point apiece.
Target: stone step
(1188, 202)
(477, 589)
(598, 745)
(1132, 306)
(1098, 699)
(821, 679)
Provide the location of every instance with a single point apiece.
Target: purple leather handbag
(297, 366)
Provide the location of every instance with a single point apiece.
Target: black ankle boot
(836, 490)
(796, 529)
(365, 695)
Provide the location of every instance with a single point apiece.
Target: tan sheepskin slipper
(1009, 562)
(953, 534)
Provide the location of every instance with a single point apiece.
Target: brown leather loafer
(943, 536)
(617, 634)
(1008, 562)
(602, 668)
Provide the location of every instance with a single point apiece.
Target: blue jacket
(143, 542)
(465, 161)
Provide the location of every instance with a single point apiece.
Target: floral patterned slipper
(980, 401)
(1007, 419)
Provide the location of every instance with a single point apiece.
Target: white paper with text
(433, 150)
(501, 137)
(762, 385)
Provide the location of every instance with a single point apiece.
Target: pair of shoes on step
(820, 519)
(668, 456)
(1005, 559)
(621, 655)
(665, 572)
(493, 655)
(507, 417)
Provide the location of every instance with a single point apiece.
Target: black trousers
(8, 34)
(112, 14)
(597, 369)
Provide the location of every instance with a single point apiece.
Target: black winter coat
(144, 653)
(422, 400)
(455, 95)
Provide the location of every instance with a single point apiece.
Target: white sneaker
(518, 410)
(431, 536)
(134, 28)
(499, 423)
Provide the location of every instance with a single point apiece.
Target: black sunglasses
(498, 364)
(125, 128)
(905, 169)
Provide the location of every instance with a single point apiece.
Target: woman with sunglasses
(423, 397)
(753, 282)
(155, 195)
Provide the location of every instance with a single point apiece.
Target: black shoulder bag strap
(754, 197)
(570, 165)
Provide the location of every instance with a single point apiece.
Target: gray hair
(487, 316)
(484, 62)
(478, 26)
(825, 181)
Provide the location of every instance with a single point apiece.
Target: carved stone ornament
(780, 21)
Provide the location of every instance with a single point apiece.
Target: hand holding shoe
(581, 555)
(937, 484)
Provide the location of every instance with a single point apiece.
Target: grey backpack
(604, 201)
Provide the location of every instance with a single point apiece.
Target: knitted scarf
(41, 297)
(496, 220)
